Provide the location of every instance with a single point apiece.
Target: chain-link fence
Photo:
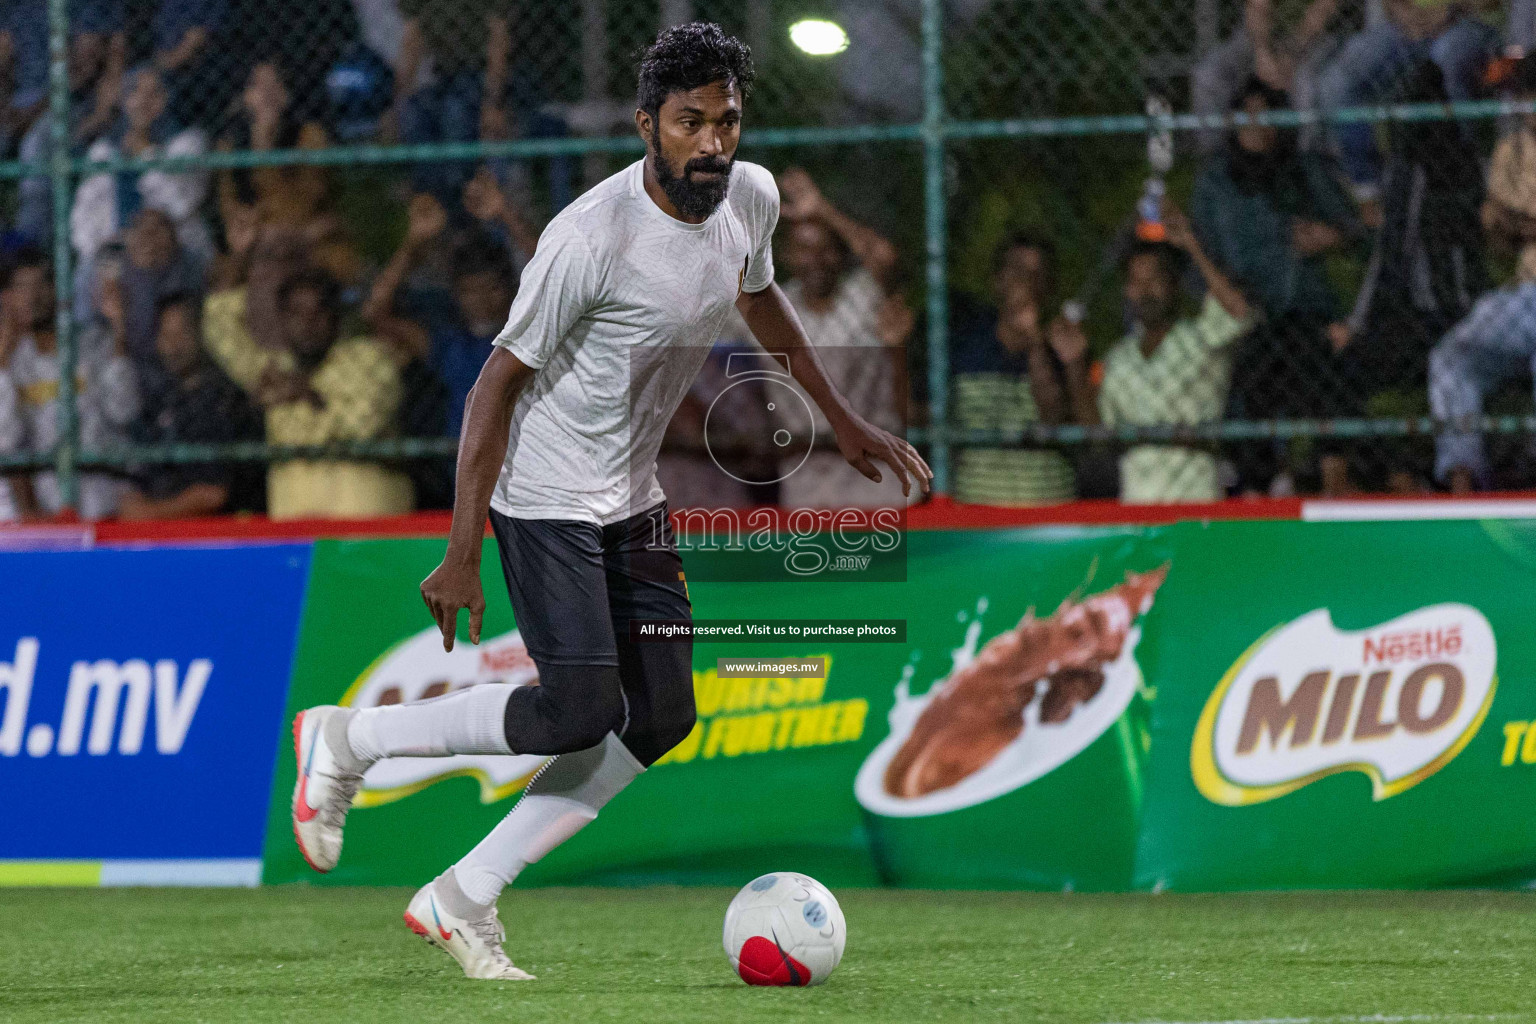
(255, 250)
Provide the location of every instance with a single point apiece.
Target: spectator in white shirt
(842, 291)
(106, 203)
(107, 394)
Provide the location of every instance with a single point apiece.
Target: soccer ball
(784, 929)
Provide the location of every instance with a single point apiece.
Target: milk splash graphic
(1040, 748)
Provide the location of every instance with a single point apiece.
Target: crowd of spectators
(219, 307)
(1284, 224)
(228, 306)
(1242, 310)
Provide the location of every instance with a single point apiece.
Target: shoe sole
(293, 806)
(420, 929)
(426, 933)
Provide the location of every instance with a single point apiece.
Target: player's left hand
(863, 444)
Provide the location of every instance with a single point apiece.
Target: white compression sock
(468, 721)
(560, 801)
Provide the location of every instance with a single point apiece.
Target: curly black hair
(1170, 258)
(685, 57)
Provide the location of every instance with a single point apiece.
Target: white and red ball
(784, 929)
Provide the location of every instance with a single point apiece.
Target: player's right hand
(449, 588)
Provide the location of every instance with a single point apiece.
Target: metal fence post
(935, 227)
(59, 170)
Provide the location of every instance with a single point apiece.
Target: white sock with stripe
(559, 802)
(468, 721)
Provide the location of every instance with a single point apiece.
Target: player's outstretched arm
(455, 583)
(777, 328)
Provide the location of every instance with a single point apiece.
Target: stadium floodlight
(818, 37)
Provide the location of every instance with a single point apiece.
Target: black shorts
(575, 586)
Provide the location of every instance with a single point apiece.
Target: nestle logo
(1414, 645)
(1396, 701)
(508, 658)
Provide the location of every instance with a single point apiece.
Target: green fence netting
(1354, 308)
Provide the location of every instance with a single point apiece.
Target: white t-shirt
(617, 311)
(107, 395)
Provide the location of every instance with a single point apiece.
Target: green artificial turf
(327, 956)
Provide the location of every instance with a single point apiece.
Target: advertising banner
(1028, 772)
(1196, 706)
(1343, 704)
(1193, 706)
(141, 693)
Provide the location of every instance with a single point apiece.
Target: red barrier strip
(943, 514)
(939, 514)
(421, 524)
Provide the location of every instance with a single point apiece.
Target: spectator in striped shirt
(1171, 370)
(1012, 368)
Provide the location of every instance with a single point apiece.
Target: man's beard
(693, 198)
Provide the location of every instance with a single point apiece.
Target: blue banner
(141, 700)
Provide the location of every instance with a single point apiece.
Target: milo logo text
(1396, 702)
